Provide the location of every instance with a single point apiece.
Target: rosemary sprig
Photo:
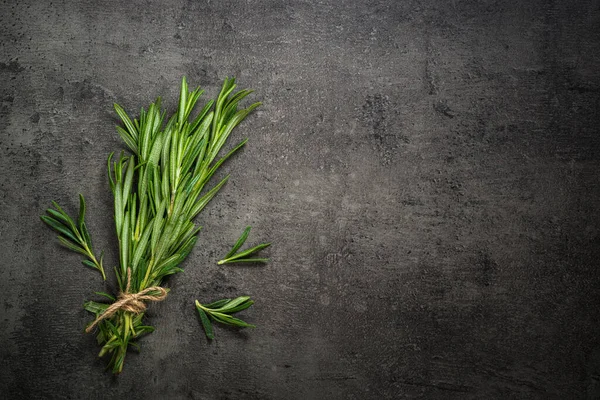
(243, 256)
(74, 236)
(220, 311)
(158, 191)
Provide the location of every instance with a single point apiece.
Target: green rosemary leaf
(229, 320)
(163, 243)
(239, 242)
(141, 247)
(118, 207)
(124, 242)
(134, 223)
(86, 235)
(66, 216)
(240, 307)
(205, 322)
(231, 304)
(173, 157)
(193, 99)
(197, 146)
(141, 124)
(108, 169)
(90, 264)
(119, 280)
(228, 87)
(129, 141)
(71, 246)
(199, 206)
(243, 260)
(128, 180)
(217, 304)
(169, 262)
(95, 307)
(182, 101)
(157, 225)
(130, 127)
(205, 131)
(233, 102)
(201, 115)
(160, 116)
(108, 296)
(81, 218)
(251, 251)
(147, 133)
(156, 150)
(59, 216)
(60, 228)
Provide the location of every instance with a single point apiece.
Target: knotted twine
(132, 302)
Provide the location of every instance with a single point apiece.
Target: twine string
(132, 302)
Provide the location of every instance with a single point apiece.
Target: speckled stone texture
(427, 171)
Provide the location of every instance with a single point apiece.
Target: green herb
(244, 256)
(158, 191)
(220, 311)
(72, 236)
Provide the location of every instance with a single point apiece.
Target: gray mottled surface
(426, 169)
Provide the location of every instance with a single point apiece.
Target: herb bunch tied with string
(158, 190)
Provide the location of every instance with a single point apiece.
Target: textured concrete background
(427, 171)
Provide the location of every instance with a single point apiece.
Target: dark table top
(426, 170)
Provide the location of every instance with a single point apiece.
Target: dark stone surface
(427, 171)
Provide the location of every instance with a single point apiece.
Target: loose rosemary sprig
(243, 256)
(72, 236)
(220, 311)
(158, 191)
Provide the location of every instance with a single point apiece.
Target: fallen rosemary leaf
(244, 256)
(158, 191)
(220, 311)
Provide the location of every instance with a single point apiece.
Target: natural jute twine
(132, 302)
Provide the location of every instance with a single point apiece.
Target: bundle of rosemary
(158, 191)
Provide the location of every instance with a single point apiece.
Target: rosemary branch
(159, 189)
